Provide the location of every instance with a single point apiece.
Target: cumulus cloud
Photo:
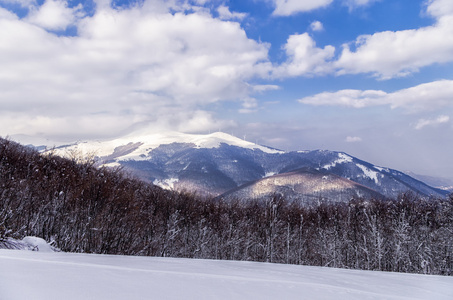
(304, 58)
(196, 121)
(439, 8)
(225, 14)
(260, 88)
(316, 26)
(54, 15)
(249, 105)
(357, 3)
(161, 61)
(290, 7)
(385, 55)
(423, 97)
(391, 54)
(65, 127)
(201, 2)
(133, 65)
(432, 122)
(348, 97)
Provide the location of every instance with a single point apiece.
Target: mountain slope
(304, 185)
(217, 163)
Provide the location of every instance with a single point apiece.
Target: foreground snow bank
(56, 276)
(27, 243)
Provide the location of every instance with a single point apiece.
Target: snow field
(70, 276)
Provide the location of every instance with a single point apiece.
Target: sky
(373, 78)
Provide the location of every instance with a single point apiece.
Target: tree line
(83, 208)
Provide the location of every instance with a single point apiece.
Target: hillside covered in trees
(81, 208)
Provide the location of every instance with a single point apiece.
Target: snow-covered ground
(67, 276)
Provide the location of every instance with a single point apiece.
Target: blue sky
(373, 78)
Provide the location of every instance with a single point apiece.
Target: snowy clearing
(342, 158)
(56, 276)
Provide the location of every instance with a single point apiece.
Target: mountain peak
(139, 144)
(218, 162)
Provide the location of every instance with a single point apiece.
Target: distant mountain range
(438, 182)
(219, 164)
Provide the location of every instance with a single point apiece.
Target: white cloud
(439, 8)
(353, 139)
(290, 7)
(304, 58)
(423, 97)
(391, 54)
(225, 14)
(432, 122)
(138, 64)
(201, 2)
(54, 15)
(385, 54)
(264, 88)
(196, 121)
(7, 15)
(316, 26)
(351, 98)
(356, 3)
(66, 127)
(249, 105)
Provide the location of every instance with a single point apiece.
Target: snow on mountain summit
(214, 140)
(136, 146)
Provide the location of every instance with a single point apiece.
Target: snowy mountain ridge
(214, 164)
(136, 146)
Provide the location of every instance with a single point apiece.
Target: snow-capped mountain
(137, 147)
(219, 163)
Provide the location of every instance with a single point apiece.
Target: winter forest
(79, 207)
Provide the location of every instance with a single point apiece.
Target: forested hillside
(81, 208)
